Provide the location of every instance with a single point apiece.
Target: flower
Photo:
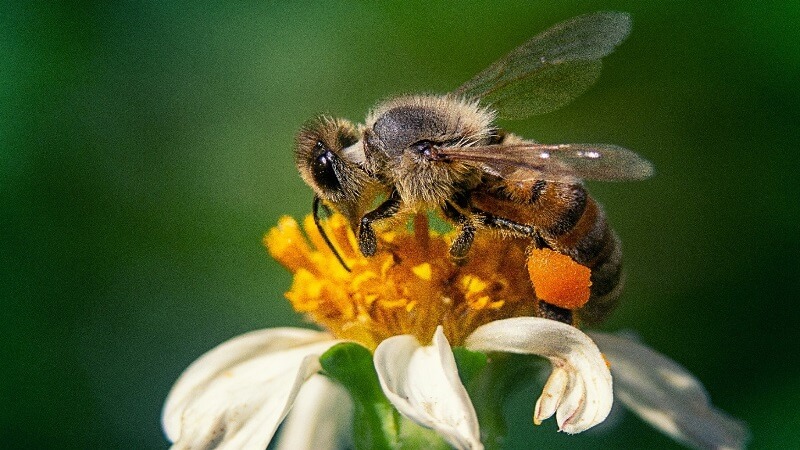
(667, 396)
(409, 304)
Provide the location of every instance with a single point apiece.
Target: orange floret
(410, 286)
(558, 279)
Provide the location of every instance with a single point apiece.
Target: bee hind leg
(468, 225)
(544, 309)
(514, 228)
(553, 312)
(501, 223)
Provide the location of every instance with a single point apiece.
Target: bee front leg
(367, 241)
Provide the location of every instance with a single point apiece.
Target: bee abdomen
(591, 242)
(536, 191)
(569, 221)
(575, 201)
(607, 266)
(578, 227)
(600, 250)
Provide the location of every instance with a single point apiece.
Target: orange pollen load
(558, 279)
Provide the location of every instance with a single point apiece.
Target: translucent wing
(552, 68)
(561, 162)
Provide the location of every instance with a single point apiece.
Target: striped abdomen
(566, 219)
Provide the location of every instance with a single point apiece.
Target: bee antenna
(315, 209)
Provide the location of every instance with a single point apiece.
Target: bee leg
(515, 228)
(501, 223)
(544, 309)
(554, 312)
(466, 234)
(367, 241)
(463, 242)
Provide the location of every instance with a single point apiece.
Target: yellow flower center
(410, 286)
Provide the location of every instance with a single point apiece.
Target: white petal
(579, 388)
(667, 396)
(553, 391)
(321, 418)
(236, 395)
(423, 384)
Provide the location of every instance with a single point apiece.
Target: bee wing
(551, 69)
(560, 163)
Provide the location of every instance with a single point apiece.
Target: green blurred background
(145, 148)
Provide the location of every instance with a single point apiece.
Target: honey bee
(444, 152)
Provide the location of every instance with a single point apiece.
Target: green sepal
(469, 363)
(351, 365)
(491, 385)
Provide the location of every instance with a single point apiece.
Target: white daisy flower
(410, 305)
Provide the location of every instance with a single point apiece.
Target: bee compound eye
(324, 172)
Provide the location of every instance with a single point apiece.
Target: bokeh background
(145, 147)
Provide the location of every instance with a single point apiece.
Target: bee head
(328, 162)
